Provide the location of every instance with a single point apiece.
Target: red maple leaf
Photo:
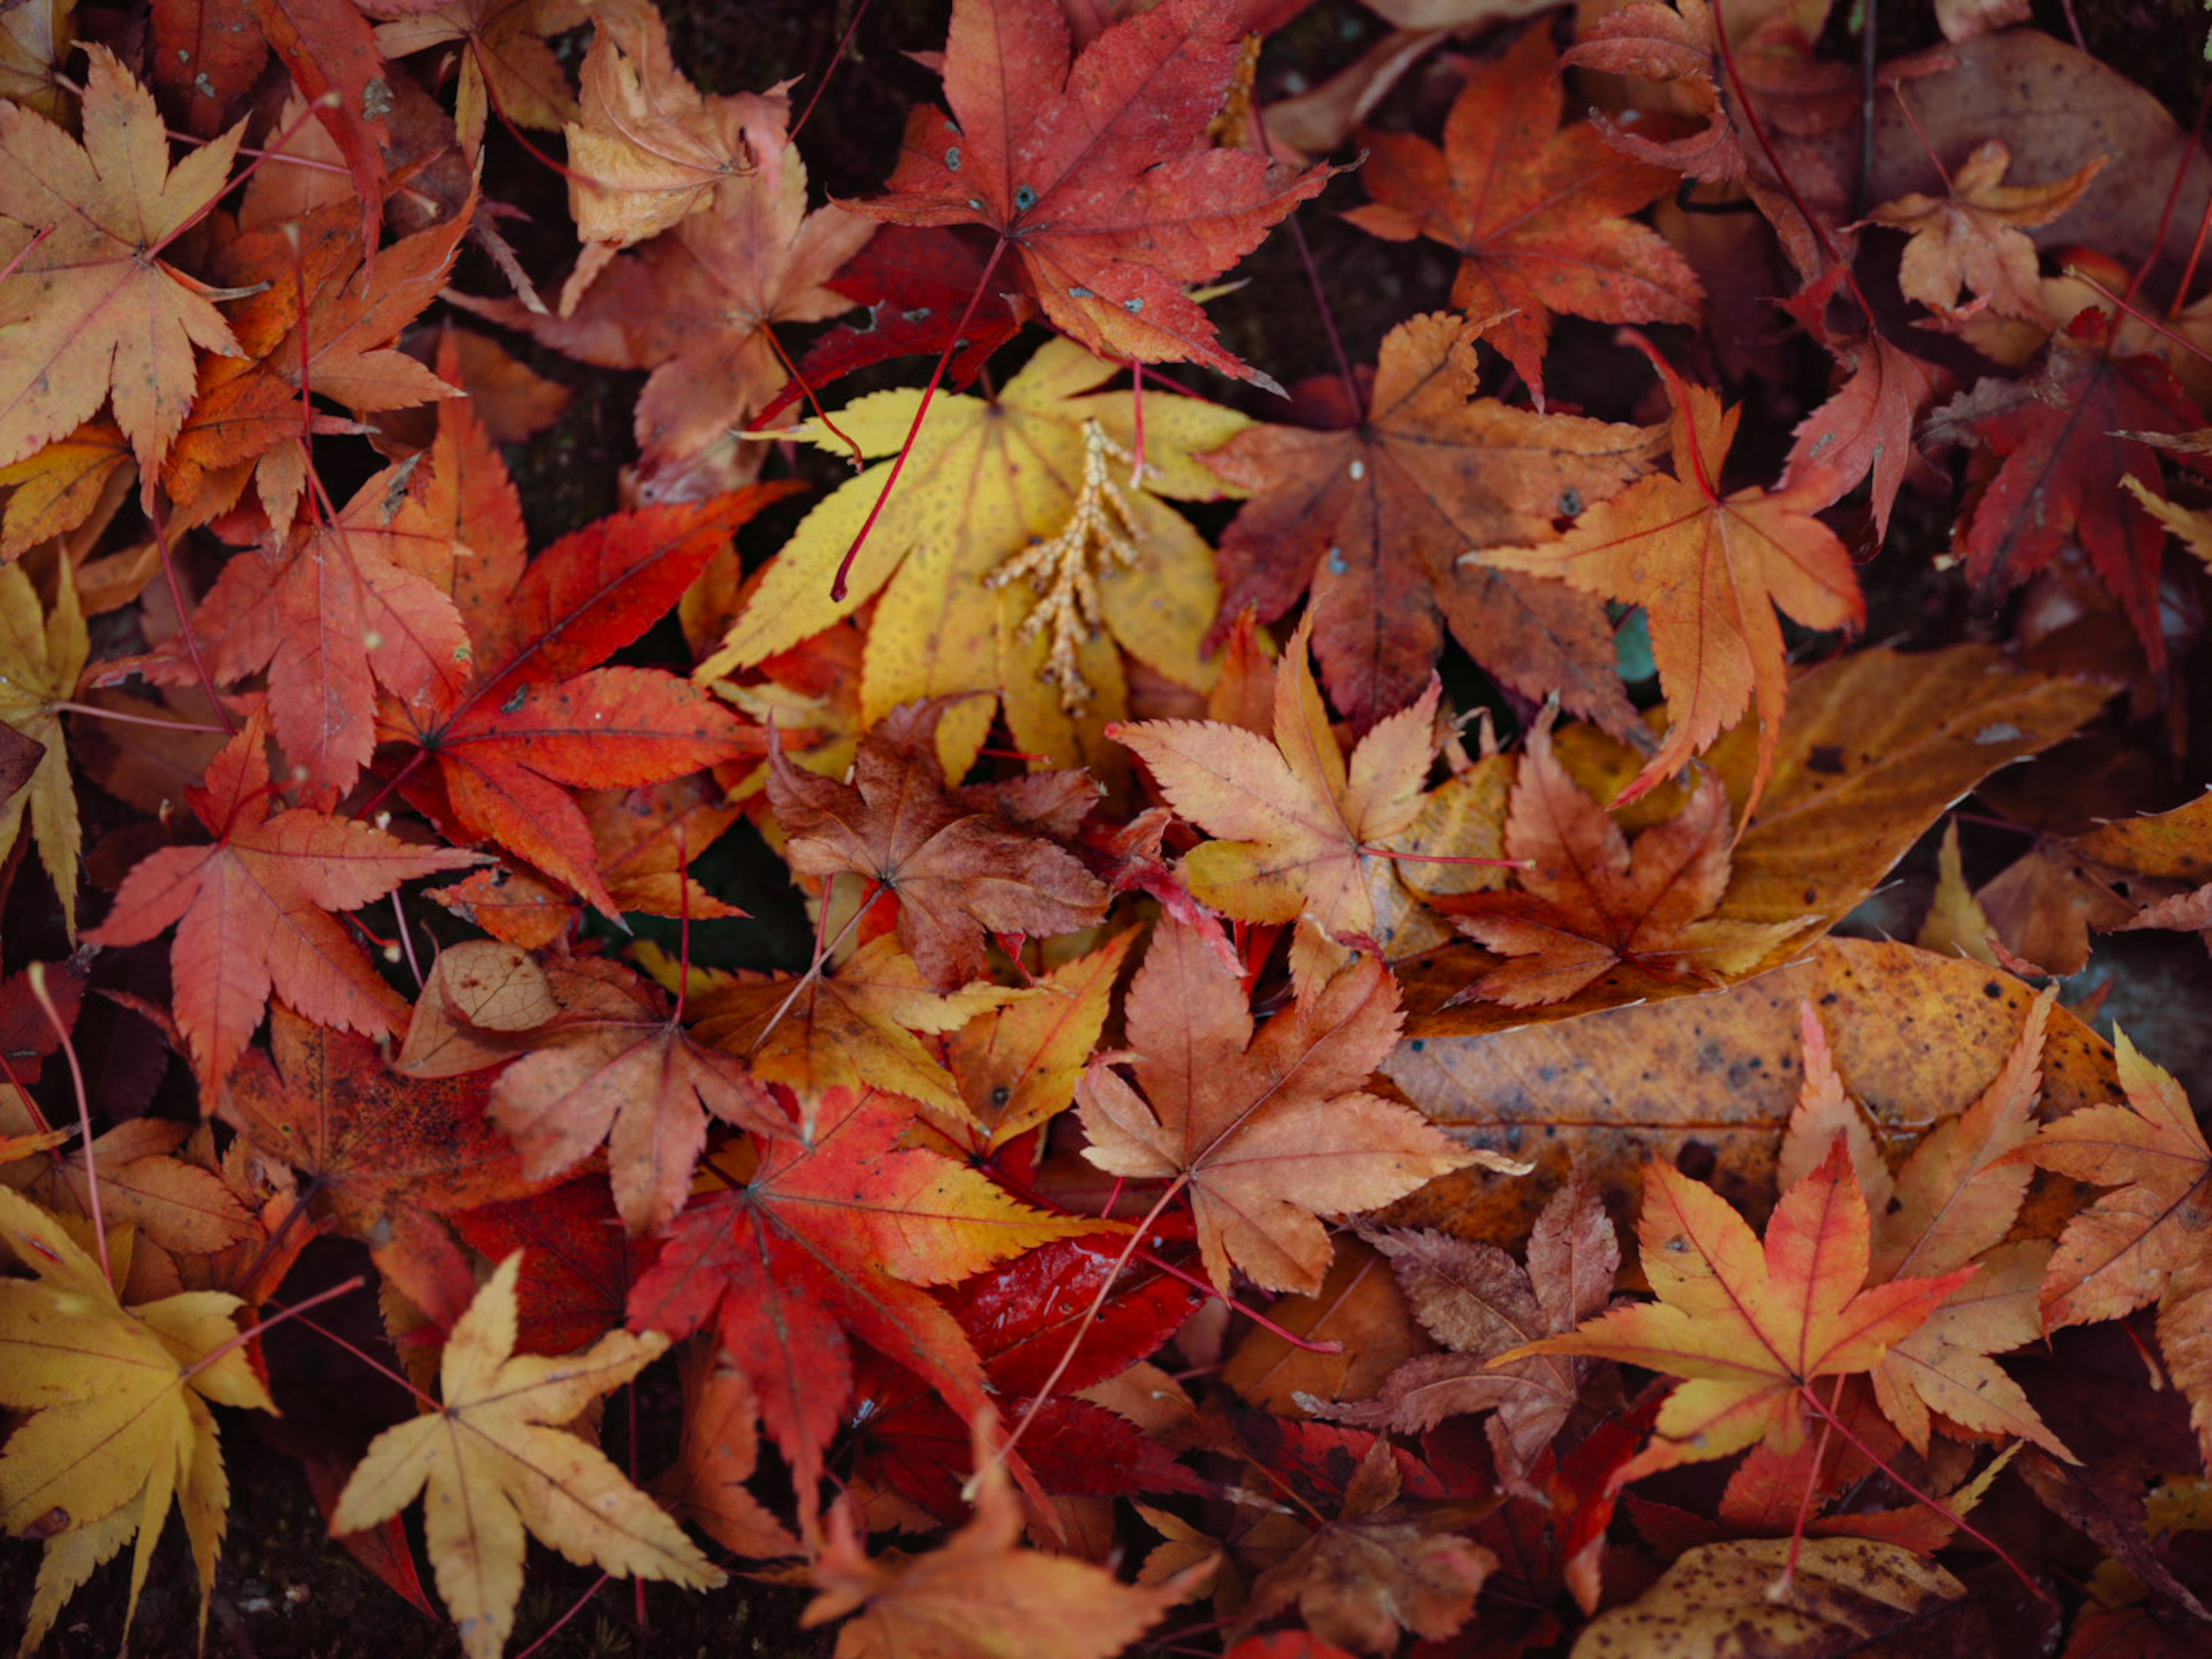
(1096, 173)
(253, 911)
(835, 1240)
(2064, 437)
(541, 718)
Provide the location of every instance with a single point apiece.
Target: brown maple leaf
(506, 64)
(617, 1065)
(1590, 901)
(1478, 1301)
(962, 862)
(1534, 209)
(1383, 1567)
(1267, 1132)
(1370, 513)
(253, 911)
(649, 150)
(384, 1155)
(90, 302)
(1709, 571)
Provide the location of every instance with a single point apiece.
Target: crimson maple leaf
(253, 911)
(833, 1240)
(1095, 173)
(2065, 438)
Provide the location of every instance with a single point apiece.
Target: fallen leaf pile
(1044, 828)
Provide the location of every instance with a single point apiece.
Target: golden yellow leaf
(119, 1422)
(41, 654)
(496, 1464)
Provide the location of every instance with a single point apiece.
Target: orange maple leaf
(1298, 823)
(1708, 570)
(2144, 1241)
(981, 1593)
(1751, 1328)
(1532, 208)
(1267, 1132)
(90, 302)
(253, 911)
(1589, 902)
(1972, 237)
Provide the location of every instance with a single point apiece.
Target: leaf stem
(35, 977)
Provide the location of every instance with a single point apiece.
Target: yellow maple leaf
(119, 1423)
(41, 654)
(988, 483)
(496, 1463)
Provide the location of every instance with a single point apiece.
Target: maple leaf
(1708, 570)
(988, 480)
(383, 1154)
(1267, 1133)
(88, 302)
(854, 1027)
(2066, 437)
(1299, 824)
(916, 286)
(979, 1596)
(1478, 1301)
(832, 1239)
(1534, 209)
(616, 1065)
(61, 485)
(1381, 1568)
(44, 652)
(1972, 238)
(252, 911)
(2143, 1240)
(333, 614)
(1589, 902)
(1654, 41)
(540, 717)
(962, 862)
(1370, 513)
(1095, 173)
(319, 319)
(649, 151)
(578, 1261)
(118, 1421)
(699, 306)
(1018, 1065)
(505, 63)
(706, 1485)
(1951, 1204)
(1750, 1326)
(496, 1462)
(1032, 1323)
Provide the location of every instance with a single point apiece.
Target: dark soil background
(286, 1591)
